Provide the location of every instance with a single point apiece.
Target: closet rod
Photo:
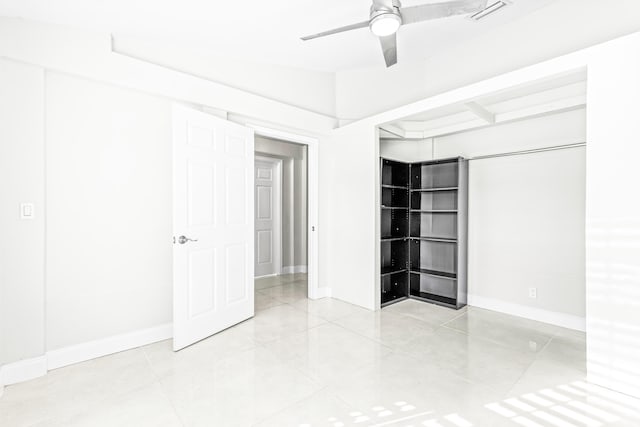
(533, 151)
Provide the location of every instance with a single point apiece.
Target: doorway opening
(281, 222)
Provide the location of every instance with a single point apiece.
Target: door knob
(184, 239)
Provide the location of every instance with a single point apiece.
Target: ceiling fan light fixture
(385, 24)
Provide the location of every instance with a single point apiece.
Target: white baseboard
(35, 367)
(293, 269)
(625, 385)
(290, 269)
(22, 370)
(103, 347)
(555, 318)
(321, 293)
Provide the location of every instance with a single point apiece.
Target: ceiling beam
(408, 134)
(481, 112)
(386, 135)
(455, 128)
(224, 115)
(556, 106)
(393, 130)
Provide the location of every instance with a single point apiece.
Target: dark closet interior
(423, 223)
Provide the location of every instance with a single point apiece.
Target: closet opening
(482, 203)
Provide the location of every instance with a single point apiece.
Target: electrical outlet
(533, 292)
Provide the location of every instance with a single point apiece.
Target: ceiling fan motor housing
(392, 8)
(385, 19)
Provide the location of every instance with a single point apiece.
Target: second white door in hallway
(268, 216)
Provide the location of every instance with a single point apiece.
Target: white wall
(561, 27)
(311, 90)
(89, 55)
(526, 213)
(22, 241)
(109, 221)
(406, 150)
(526, 230)
(540, 132)
(613, 217)
(108, 190)
(294, 197)
(349, 195)
(612, 211)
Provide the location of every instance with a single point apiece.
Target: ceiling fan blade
(389, 49)
(337, 30)
(430, 11)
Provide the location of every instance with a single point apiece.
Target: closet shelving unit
(424, 231)
(394, 221)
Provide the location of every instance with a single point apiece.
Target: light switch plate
(27, 211)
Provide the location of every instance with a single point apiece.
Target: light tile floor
(327, 363)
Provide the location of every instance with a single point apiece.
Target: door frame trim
(313, 289)
(277, 247)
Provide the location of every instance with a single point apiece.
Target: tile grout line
(456, 317)
(460, 377)
(361, 335)
(529, 366)
(503, 345)
(164, 392)
(440, 326)
(323, 387)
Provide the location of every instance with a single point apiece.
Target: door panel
(265, 195)
(202, 265)
(200, 137)
(236, 266)
(235, 201)
(265, 245)
(202, 194)
(263, 173)
(235, 144)
(212, 205)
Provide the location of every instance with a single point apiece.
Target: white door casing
(268, 216)
(313, 230)
(213, 164)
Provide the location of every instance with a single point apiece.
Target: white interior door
(212, 225)
(267, 216)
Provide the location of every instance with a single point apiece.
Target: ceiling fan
(386, 17)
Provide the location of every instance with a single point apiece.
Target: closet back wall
(108, 266)
(526, 214)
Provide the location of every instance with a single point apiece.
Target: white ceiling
(265, 31)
